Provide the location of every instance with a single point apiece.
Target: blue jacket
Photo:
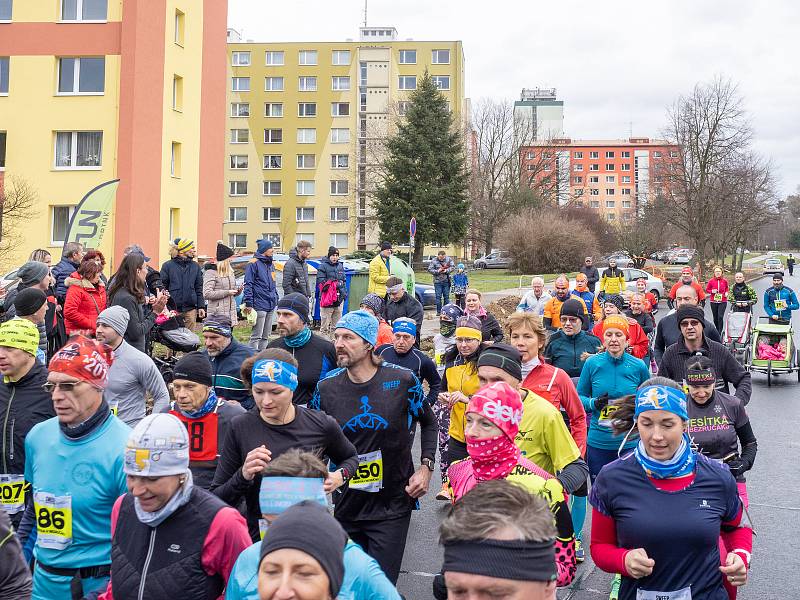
(564, 351)
(227, 377)
(260, 291)
(363, 578)
(588, 300)
(786, 295)
(183, 278)
(61, 271)
(327, 271)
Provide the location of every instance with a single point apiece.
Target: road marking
(420, 573)
(797, 508)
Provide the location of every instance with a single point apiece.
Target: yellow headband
(469, 332)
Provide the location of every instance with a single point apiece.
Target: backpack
(329, 294)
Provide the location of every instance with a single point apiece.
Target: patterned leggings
(442, 413)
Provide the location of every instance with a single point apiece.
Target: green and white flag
(91, 217)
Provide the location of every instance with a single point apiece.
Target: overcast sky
(614, 63)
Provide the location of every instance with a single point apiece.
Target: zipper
(5, 425)
(147, 562)
(11, 440)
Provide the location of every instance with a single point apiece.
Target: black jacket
(15, 577)
(644, 319)
(61, 271)
(592, 276)
(183, 278)
(295, 276)
(327, 271)
(407, 306)
(668, 332)
(140, 323)
(315, 359)
(490, 328)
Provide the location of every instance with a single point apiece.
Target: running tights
(578, 510)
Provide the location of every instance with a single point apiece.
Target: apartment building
(614, 178)
(305, 124)
(94, 90)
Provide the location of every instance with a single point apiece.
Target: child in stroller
(170, 331)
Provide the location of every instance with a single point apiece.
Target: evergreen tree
(424, 174)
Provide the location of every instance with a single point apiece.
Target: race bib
(53, 520)
(12, 493)
(115, 410)
(717, 298)
(780, 304)
(369, 474)
(684, 594)
(262, 528)
(606, 415)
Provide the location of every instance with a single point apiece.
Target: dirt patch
(503, 307)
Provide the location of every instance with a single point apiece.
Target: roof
(571, 143)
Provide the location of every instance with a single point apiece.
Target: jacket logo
(176, 548)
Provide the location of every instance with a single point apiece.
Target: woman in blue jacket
(330, 269)
(260, 293)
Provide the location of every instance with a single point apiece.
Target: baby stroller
(176, 337)
(737, 334)
(772, 350)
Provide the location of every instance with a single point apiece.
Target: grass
(493, 280)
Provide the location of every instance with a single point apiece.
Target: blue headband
(403, 326)
(279, 493)
(661, 397)
(275, 371)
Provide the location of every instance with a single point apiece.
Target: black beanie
(386, 246)
(573, 308)
(28, 301)
(690, 311)
(194, 366)
(223, 252)
(332, 250)
(616, 300)
(777, 276)
(297, 303)
(309, 527)
(503, 357)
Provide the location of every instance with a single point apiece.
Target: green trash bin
(359, 282)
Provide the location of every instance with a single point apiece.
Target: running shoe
(615, 583)
(580, 554)
(444, 494)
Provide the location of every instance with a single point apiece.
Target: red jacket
(83, 303)
(717, 286)
(637, 338)
(701, 295)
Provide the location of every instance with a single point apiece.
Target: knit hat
(183, 244)
(503, 357)
(263, 245)
(386, 246)
(405, 325)
(309, 528)
(451, 312)
(219, 324)
(157, 446)
(32, 272)
(499, 403)
(296, 303)
(332, 250)
(115, 317)
(28, 301)
(361, 323)
(223, 252)
(21, 334)
(469, 327)
(194, 366)
(574, 308)
(690, 311)
(374, 302)
(137, 249)
(616, 300)
(616, 322)
(777, 276)
(84, 359)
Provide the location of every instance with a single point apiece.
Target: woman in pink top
(717, 290)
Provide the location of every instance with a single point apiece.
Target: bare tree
(18, 201)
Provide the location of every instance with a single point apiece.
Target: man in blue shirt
(780, 301)
(402, 352)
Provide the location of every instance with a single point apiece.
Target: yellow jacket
(612, 285)
(460, 378)
(378, 274)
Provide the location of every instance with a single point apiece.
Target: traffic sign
(412, 227)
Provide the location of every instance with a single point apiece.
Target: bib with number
(202, 436)
(717, 298)
(262, 528)
(684, 594)
(115, 410)
(369, 473)
(780, 304)
(606, 415)
(53, 520)
(12, 493)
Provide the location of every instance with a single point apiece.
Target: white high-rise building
(538, 115)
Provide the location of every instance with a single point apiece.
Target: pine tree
(424, 174)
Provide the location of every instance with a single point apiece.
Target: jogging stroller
(772, 351)
(176, 337)
(737, 334)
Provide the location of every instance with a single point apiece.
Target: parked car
(623, 259)
(498, 259)
(425, 294)
(9, 280)
(772, 266)
(682, 256)
(655, 285)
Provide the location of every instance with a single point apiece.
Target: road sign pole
(412, 232)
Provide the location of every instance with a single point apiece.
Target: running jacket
(315, 359)
(742, 292)
(418, 363)
(226, 368)
(717, 290)
(784, 294)
(612, 281)
(564, 351)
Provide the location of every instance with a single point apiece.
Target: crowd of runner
(284, 467)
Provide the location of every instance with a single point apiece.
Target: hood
(265, 259)
(76, 279)
(209, 267)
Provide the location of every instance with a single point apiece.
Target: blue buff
(681, 464)
(275, 371)
(279, 493)
(661, 397)
(403, 326)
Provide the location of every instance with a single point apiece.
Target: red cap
(84, 359)
(686, 271)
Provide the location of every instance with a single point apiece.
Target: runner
(591, 272)
(534, 299)
(790, 262)
(687, 278)
(170, 539)
(446, 338)
(780, 301)
(15, 576)
(717, 290)
(277, 426)
(376, 405)
(667, 330)
(205, 416)
(403, 354)
(74, 465)
(289, 479)
(373, 304)
(226, 354)
(665, 544)
(568, 347)
(493, 417)
(650, 300)
(638, 342)
(551, 317)
(639, 313)
(742, 296)
(583, 292)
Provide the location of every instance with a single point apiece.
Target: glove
(737, 466)
(601, 402)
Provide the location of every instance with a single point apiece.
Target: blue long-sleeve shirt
(784, 294)
(420, 363)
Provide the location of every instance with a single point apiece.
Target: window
(440, 57)
(240, 59)
(4, 62)
(626, 191)
(610, 203)
(307, 109)
(579, 179)
(177, 92)
(81, 75)
(408, 57)
(626, 204)
(579, 192)
(656, 154)
(625, 167)
(306, 161)
(338, 240)
(340, 161)
(240, 109)
(239, 161)
(306, 136)
(240, 84)
(272, 214)
(611, 217)
(407, 82)
(441, 81)
(84, 10)
(594, 155)
(5, 9)
(237, 188)
(340, 84)
(547, 155)
(594, 192)
(530, 155)
(339, 187)
(625, 179)
(307, 57)
(594, 204)
(275, 238)
(340, 57)
(305, 187)
(274, 58)
(273, 84)
(273, 136)
(307, 84)
(79, 149)
(304, 237)
(273, 161)
(180, 29)
(237, 214)
(340, 136)
(578, 168)
(594, 179)
(272, 188)
(594, 167)
(2, 150)
(59, 223)
(609, 154)
(657, 179)
(673, 154)
(402, 107)
(273, 109)
(548, 166)
(609, 166)
(237, 240)
(240, 136)
(340, 109)
(304, 214)
(530, 168)
(610, 191)
(340, 213)
(610, 178)
(175, 160)
(578, 155)
(626, 154)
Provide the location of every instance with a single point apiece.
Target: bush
(546, 241)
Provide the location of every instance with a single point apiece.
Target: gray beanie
(157, 446)
(32, 272)
(115, 317)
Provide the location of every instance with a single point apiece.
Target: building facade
(305, 125)
(95, 90)
(538, 116)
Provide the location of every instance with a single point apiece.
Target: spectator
(613, 279)
(790, 262)
(667, 330)
(31, 304)
(402, 352)
(260, 293)
(330, 280)
(441, 267)
(402, 304)
(534, 300)
(42, 255)
(490, 328)
(183, 278)
(152, 281)
(373, 304)
(219, 285)
(567, 347)
(86, 296)
(295, 271)
(226, 355)
(71, 257)
(37, 275)
(591, 272)
(460, 285)
(379, 270)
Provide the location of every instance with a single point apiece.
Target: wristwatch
(428, 463)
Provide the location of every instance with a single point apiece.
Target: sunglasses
(64, 386)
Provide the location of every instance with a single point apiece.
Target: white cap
(157, 446)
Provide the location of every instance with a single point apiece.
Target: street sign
(412, 227)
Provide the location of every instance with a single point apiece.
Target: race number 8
(196, 436)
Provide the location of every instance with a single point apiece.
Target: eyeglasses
(67, 386)
(690, 323)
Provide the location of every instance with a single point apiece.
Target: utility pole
(365, 13)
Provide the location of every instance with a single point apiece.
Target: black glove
(737, 466)
(601, 402)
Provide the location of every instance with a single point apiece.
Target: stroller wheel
(769, 374)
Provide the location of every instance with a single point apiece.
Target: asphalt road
(773, 488)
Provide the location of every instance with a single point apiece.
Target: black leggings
(383, 540)
(718, 310)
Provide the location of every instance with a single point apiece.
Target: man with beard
(551, 317)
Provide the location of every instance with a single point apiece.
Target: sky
(617, 65)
